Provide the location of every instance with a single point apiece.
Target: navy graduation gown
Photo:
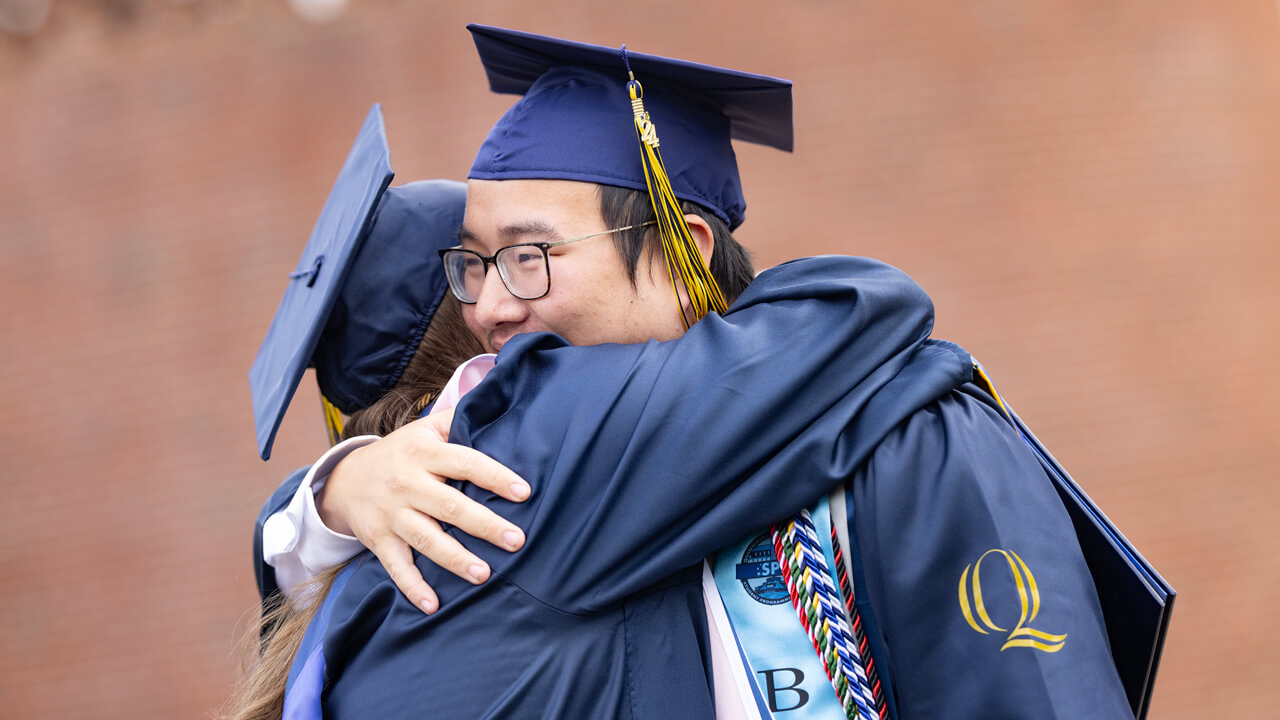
(950, 486)
(645, 458)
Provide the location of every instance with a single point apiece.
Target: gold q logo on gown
(1028, 596)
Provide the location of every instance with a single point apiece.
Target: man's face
(592, 299)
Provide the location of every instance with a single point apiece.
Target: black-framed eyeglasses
(525, 268)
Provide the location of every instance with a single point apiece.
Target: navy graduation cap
(585, 116)
(367, 285)
(575, 119)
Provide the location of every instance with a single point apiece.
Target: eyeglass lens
(523, 269)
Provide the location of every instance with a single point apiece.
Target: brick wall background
(1084, 187)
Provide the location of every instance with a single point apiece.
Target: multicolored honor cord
(855, 622)
(818, 605)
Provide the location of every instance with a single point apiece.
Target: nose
(496, 306)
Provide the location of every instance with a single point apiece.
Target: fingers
(466, 464)
(405, 504)
(483, 471)
(428, 538)
(473, 466)
(396, 557)
(446, 504)
(449, 505)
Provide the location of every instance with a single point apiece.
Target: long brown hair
(270, 646)
(445, 345)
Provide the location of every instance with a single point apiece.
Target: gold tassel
(422, 403)
(332, 420)
(684, 261)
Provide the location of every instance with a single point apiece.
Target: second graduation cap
(367, 284)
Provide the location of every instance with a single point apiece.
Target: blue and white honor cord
(821, 612)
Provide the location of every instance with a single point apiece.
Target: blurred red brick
(1084, 188)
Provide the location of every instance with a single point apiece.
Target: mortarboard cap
(364, 290)
(395, 284)
(575, 119)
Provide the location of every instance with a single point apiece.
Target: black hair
(619, 207)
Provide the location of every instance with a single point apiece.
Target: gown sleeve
(644, 458)
(979, 592)
(279, 500)
(291, 543)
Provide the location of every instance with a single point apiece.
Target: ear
(703, 237)
(705, 240)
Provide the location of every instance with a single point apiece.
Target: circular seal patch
(760, 574)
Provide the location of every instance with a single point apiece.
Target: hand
(391, 495)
